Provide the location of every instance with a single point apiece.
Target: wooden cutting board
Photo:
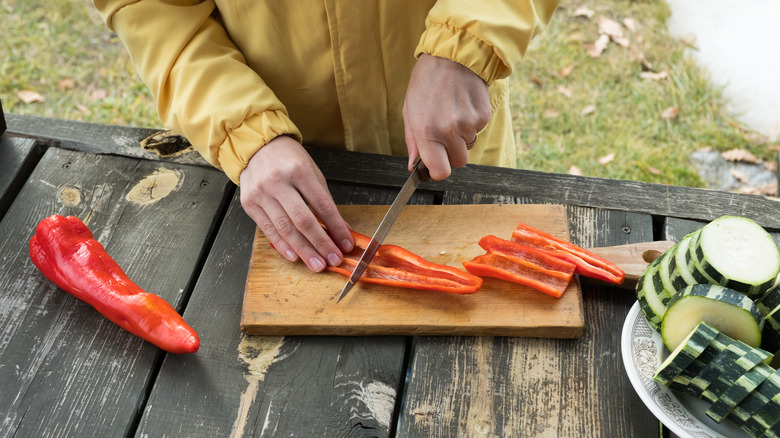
(284, 298)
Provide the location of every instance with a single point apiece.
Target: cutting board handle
(632, 258)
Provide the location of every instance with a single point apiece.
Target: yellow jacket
(230, 75)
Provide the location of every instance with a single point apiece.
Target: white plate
(643, 352)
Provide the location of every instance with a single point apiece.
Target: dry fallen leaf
(574, 170)
(769, 189)
(98, 94)
(550, 114)
(610, 27)
(566, 91)
(670, 113)
(770, 166)
(640, 57)
(30, 96)
(538, 82)
(659, 76)
(66, 84)
(584, 11)
(83, 109)
(653, 170)
(597, 48)
(689, 40)
(739, 176)
(630, 24)
(566, 71)
(606, 159)
(742, 155)
(590, 109)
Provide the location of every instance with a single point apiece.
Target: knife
(419, 174)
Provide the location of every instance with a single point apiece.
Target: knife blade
(419, 174)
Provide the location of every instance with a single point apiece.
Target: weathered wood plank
(271, 386)
(536, 387)
(639, 197)
(65, 369)
(17, 159)
(94, 137)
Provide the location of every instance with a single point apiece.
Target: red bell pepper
(588, 264)
(396, 266)
(66, 253)
(522, 264)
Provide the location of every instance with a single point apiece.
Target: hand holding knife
(419, 174)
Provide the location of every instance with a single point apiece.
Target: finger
(258, 215)
(293, 221)
(323, 206)
(436, 159)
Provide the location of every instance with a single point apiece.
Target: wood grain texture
(543, 187)
(17, 159)
(94, 138)
(247, 385)
(285, 298)
(67, 370)
(503, 386)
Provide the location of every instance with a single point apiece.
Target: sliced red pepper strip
(588, 264)
(66, 253)
(398, 267)
(522, 264)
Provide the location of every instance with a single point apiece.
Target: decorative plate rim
(642, 352)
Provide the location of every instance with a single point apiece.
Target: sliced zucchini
(737, 395)
(652, 299)
(693, 265)
(756, 399)
(663, 273)
(770, 333)
(681, 266)
(717, 356)
(737, 378)
(770, 300)
(763, 420)
(737, 253)
(728, 311)
(688, 350)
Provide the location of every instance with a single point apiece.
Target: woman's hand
(446, 106)
(276, 186)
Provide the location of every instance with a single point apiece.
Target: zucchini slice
(737, 253)
(681, 264)
(652, 297)
(728, 311)
(757, 398)
(736, 380)
(770, 333)
(770, 300)
(689, 349)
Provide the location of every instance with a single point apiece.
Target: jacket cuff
(243, 141)
(446, 41)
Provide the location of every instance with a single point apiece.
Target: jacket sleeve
(488, 37)
(203, 88)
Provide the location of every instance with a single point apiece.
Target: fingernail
(291, 256)
(346, 245)
(333, 259)
(316, 264)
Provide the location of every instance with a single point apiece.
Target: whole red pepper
(522, 264)
(588, 264)
(396, 266)
(66, 253)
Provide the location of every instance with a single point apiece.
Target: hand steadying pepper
(66, 253)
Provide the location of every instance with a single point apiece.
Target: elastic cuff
(463, 47)
(243, 141)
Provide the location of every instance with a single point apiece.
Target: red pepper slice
(522, 264)
(398, 267)
(66, 253)
(588, 264)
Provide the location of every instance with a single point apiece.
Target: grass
(63, 51)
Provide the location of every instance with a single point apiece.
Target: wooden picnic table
(67, 371)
